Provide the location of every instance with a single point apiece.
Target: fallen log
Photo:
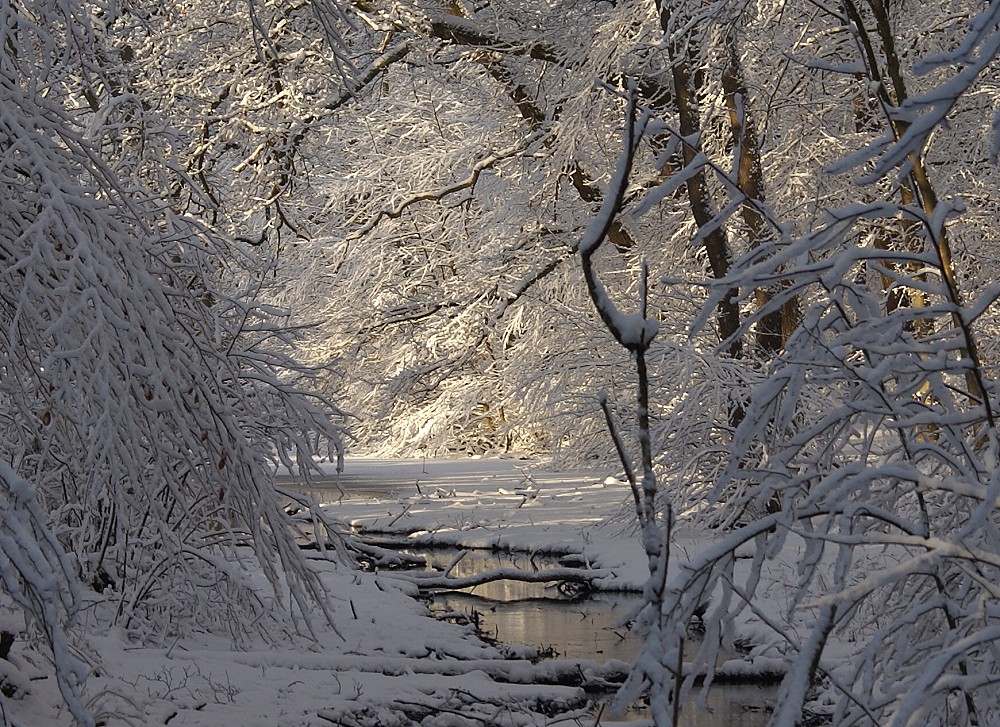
(444, 582)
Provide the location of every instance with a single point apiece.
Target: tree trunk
(686, 87)
(774, 326)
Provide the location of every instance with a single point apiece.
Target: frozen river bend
(499, 504)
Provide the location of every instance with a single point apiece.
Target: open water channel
(582, 627)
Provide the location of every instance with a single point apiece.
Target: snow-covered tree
(148, 389)
(864, 461)
(458, 182)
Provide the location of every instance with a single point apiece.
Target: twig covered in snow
(636, 332)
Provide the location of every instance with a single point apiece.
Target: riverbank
(382, 661)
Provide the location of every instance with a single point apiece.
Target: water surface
(589, 627)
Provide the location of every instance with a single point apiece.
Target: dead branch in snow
(550, 575)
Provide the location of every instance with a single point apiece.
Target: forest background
(241, 235)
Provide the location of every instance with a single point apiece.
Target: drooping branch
(469, 182)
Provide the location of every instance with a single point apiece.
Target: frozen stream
(440, 507)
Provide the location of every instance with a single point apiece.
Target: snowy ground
(386, 662)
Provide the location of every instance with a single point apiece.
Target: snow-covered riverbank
(383, 661)
(504, 504)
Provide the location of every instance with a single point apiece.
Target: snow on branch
(39, 577)
(920, 116)
(631, 330)
(469, 182)
(435, 581)
(463, 31)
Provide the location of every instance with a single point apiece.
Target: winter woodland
(742, 254)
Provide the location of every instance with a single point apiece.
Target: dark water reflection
(513, 612)
(582, 629)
